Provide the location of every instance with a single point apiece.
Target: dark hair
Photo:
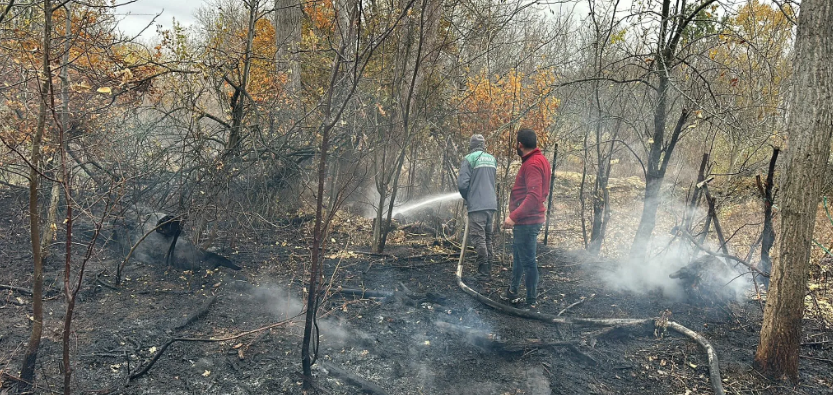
(528, 138)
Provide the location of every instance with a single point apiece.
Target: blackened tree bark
(654, 175)
(673, 23)
(688, 220)
(809, 129)
(549, 196)
(768, 234)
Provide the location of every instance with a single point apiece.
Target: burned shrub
(708, 280)
(157, 239)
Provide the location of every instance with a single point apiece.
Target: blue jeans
(524, 250)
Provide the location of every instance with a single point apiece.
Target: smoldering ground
(654, 274)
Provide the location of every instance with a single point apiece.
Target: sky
(135, 16)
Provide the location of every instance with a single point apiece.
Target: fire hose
(711, 355)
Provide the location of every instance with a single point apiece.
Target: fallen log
(714, 366)
(23, 291)
(492, 342)
(362, 293)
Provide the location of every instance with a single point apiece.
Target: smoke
(278, 301)
(537, 382)
(653, 274)
(642, 277)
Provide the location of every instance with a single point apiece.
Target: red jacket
(532, 185)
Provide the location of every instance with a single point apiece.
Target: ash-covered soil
(425, 339)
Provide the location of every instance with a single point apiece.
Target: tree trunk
(238, 100)
(549, 195)
(648, 219)
(657, 164)
(688, 219)
(768, 234)
(601, 194)
(322, 220)
(581, 195)
(673, 23)
(27, 371)
(809, 129)
(288, 15)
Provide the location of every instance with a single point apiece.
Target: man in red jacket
(526, 214)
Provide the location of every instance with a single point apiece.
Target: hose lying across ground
(714, 365)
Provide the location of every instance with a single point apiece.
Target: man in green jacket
(476, 183)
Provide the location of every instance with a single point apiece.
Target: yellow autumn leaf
(105, 90)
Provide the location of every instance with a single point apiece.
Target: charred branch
(365, 386)
(203, 310)
(23, 291)
(719, 255)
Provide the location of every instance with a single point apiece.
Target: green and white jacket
(476, 181)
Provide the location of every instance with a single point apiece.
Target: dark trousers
(481, 229)
(524, 250)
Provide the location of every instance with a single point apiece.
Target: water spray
(409, 207)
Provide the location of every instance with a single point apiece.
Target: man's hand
(508, 224)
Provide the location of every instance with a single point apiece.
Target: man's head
(477, 142)
(527, 141)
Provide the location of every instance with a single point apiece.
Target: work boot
(511, 297)
(484, 271)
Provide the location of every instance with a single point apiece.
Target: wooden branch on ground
(165, 346)
(830, 361)
(714, 365)
(362, 293)
(492, 342)
(381, 255)
(582, 300)
(424, 256)
(98, 280)
(820, 343)
(16, 289)
(203, 310)
(365, 386)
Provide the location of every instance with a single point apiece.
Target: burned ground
(424, 339)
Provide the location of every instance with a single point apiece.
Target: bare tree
(415, 45)
(345, 75)
(674, 20)
(603, 147)
(27, 371)
(810, 126)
